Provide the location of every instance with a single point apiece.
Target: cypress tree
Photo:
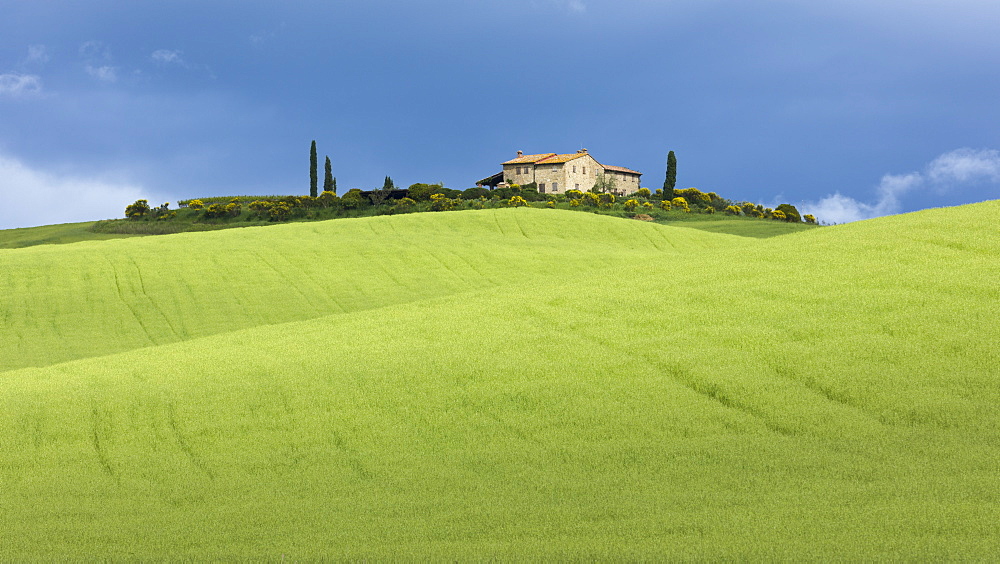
(671, 179)
(312, 170)
(329, 184)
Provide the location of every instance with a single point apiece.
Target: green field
(52, 235)
(509, 384)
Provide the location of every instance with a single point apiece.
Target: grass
(190, 222)
(510, 384)
(52, 234)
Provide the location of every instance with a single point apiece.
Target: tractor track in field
(184, 445)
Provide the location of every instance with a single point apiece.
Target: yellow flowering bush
(733, 210)
(631, 204)
(517, 201)
(680, 203)
(809, 218)
(692, 194)
(196, 204)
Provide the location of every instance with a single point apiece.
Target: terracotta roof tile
(529, 158)
(620, 169)
(561, 158)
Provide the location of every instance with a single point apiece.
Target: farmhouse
(555, 174)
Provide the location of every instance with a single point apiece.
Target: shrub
(791, 213)
(422, 192)
(809, 218)
(733, 210)
(575, 203)
(137, 209)
(647, 205)
(680, 203)
(574, 194)
(692, 195)
(591, 199)
(517, 201)
(779, 215)
(233, 209)
(607, 198)
(665, 205)
(631, 204)
(279, 211)
(328, 199)
(354, 199)
(642, 193)
(440, 202)
(475, 193)
(196, 204)
(708, 210)
(215, 210)
(550, 204)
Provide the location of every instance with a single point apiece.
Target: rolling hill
(513, 383)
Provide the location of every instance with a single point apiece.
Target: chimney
(584, 151)
(520, 153)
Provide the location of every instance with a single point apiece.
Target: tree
(790, 212)
(137, 210)
(378, 197)
(329, 184)
(313, 180)
(671, 180)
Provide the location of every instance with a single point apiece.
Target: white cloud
(37, 55)
(95, 50)
(104, 73)
(167, 56)
(965, 165)
(947, 172)
(17, 85)
(31, 197)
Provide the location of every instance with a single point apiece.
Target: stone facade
(555, 174)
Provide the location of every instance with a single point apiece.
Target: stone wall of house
(518, 174)
(576, 174)
(625, 183)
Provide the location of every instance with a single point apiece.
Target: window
(555, 186)
(541, 187)
(574, 169)
(585, 170)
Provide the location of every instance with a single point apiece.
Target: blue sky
(849, 109)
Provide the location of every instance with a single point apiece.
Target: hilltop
(506, 383)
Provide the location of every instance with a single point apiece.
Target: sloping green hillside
(63, 303)
(582, 388)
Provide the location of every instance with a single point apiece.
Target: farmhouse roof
(545, 158)
(620, 169)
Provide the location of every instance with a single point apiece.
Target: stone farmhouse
(555, 174)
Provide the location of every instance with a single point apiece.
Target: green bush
(328, 199)
(280, 211)
(422, 192)
(354, 199)
(680, 203)
(791, 213)
(137, 209)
